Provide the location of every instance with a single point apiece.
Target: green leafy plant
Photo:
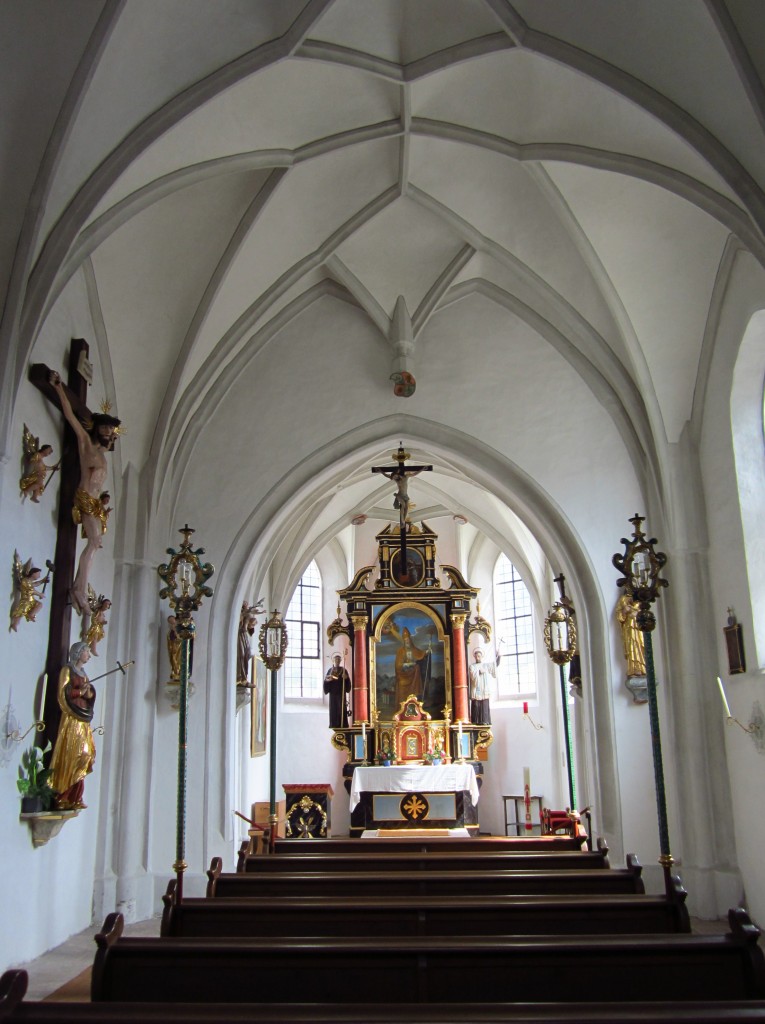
(33, 776)
(383, 755)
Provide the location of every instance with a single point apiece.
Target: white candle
(42, 699)
(527, 797)
(364, 730)
(724, 699)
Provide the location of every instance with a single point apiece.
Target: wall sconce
(756, 727)
(528, 717)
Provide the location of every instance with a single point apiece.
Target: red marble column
(461, 711)
(360, 683)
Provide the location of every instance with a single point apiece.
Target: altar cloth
(442, 778)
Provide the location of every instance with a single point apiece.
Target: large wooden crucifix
(59, 631)
(400, 474)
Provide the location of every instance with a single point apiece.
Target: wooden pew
(481, 882)
(508, 844)
(433, 860)
(577, 969)
(14, 1010)
(426, 915)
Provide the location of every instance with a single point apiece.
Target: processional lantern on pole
(561, 643)
(272, 643)
(185, 578)
(640, 566)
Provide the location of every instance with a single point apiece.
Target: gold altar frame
(421, 615)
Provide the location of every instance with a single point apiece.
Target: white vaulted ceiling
(216, 167)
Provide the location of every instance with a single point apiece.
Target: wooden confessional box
(409, 637)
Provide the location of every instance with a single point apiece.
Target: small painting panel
(258, 707)
(358, 747)
(411, 574)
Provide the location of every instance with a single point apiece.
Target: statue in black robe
(337, 683)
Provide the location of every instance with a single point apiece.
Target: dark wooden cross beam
(66, 537)
(400, 474)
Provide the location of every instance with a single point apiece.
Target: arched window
(302, 663)
(513, 623)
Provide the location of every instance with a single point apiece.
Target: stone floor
(58, 966)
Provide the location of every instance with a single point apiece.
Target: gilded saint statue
(29, 591)
(75, 753)
(32, 483)
(173, 649)
(96, 629)
(632, 637)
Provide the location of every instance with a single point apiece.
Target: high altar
(409, 638)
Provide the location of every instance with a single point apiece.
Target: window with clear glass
(514, 625)
(302, 663)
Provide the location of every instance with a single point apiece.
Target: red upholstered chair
(559, 823)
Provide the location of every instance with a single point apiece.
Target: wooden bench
(14, 1010)
(407, 857)
(508, 844)
(433, 860)
(436, 883)
(426, 915)
(577, 969)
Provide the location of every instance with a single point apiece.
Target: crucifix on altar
(87, 438)
(400, 474)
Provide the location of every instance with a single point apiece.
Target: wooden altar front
(414, 797)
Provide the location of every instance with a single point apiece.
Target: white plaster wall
(745, 294)
(55, 898)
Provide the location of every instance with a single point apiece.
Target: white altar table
(451, 778)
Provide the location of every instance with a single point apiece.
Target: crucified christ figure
(400, 474)
(89, 510)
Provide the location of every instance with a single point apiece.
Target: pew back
(319, 969)
(433, 860)
(14, 1010)
(426, 915)
(438, 883)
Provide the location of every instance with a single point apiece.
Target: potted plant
(384, 757)
(435, 756)
(36, 794)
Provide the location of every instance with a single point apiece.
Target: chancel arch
(492, 479)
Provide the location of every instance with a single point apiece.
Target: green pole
(186, 631)
(567, 736)
(272, 817)
(658, 762)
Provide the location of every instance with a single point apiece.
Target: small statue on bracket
(99, 606)
(247, 622)
(634, 648)
(33, 482)
(27, 593)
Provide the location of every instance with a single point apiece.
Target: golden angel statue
(99, 606)
(28, 596)
(32, 483)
